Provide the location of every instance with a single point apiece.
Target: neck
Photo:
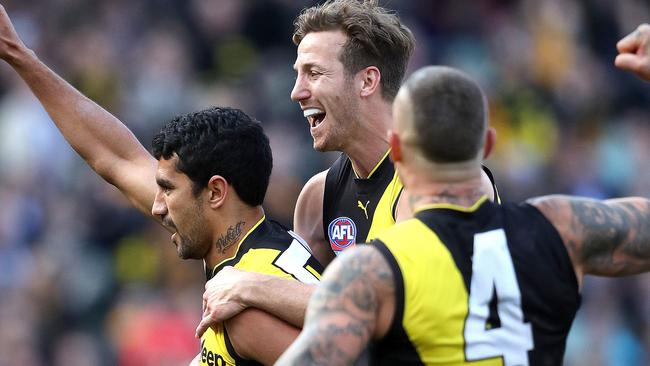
(464, 195)
(230, 232)
(371, 144)
(456, 184)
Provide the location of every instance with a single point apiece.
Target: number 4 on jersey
(493, 271)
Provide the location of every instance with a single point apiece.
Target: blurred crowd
(86, 280)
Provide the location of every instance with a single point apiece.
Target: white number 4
(492, 269)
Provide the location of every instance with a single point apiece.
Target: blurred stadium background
(86, 280)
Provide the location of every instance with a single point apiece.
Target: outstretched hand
(9, 40)
(634, 52)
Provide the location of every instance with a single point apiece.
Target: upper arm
(260, 336)
(353, 304)
(607, 238)
(308, 218)
(136, 179)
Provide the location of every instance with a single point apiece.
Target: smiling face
(327, 95)
(181, 211)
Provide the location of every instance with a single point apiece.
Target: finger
(629, 62)
(203, 326)
(629, 43)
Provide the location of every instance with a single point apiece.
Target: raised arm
(605, 238)
(634, 52)
(308, 218)
(101, 139)
(354, 303)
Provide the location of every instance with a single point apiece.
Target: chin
(320, 148)
(323, 146)
(185, 253)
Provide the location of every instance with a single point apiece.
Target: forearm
(283, 298)
(100, 138)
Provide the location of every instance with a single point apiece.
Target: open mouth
(314, 116)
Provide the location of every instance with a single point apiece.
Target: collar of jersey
(451, 206)
(373, 169)
(239, 244)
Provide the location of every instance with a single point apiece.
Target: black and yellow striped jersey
(355, 209)
(270, 249)
(487, 285)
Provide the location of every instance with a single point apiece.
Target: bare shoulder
(603, 237)
(308, 217)
(311, 195)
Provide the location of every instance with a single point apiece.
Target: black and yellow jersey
(356, 209)
(270, 249)
(487, 285)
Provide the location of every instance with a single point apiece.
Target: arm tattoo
(228, 240)
(608, 238)
(342, 313)
(616, 235)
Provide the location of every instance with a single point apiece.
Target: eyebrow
(164, 183)
(305, 66)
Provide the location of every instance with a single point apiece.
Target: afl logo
(342, 233)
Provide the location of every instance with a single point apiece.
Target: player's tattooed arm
(346, 310)
(607, 238)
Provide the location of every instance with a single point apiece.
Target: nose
(159, 207)
(300, 90)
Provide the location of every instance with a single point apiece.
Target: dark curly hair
(219, 141)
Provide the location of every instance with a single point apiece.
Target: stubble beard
(194, 244)
(338, 135)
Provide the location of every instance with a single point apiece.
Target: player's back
(488, 285)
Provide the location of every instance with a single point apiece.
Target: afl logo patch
(342, 233)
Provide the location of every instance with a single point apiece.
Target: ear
(490, 140)
(370, 78)
(217, 190)
(395, 148)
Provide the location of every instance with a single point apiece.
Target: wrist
(18, 55)
(252, 289)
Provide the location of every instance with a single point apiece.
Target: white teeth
(311, 111)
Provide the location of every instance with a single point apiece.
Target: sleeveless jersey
(488, 285)
(267, 248)
(356, 209)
